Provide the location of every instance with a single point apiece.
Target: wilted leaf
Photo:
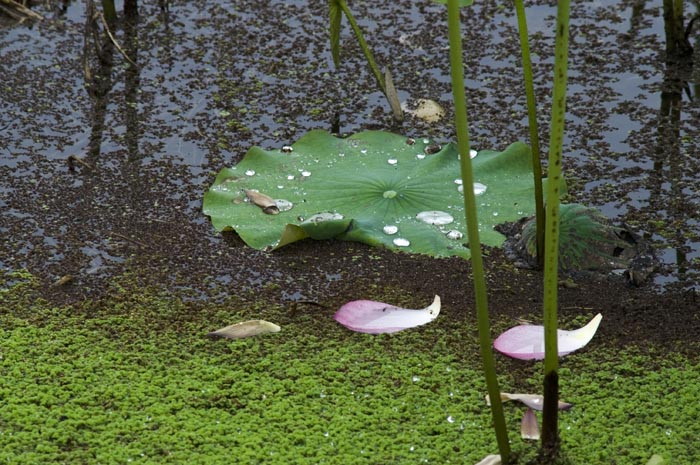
(246, 329)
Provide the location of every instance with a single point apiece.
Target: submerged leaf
(369, 316)
(377, 181)
(529, 429)
(526, 342)
(246, 329)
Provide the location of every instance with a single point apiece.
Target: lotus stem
(532, 123)
(457, 73)
(550, 432)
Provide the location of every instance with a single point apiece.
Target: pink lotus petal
(529, 429)
(491, 460)
(368, 316)
(526, 342)
(533, 401)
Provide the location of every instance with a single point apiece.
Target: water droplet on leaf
(325, 216)
(287, 149)
(250, 173)
(435, 217)
(283, 205)
(479, 188)
(390, 229)
(401, 242)
(453, 234)
(392, 161)
(306, 174)
(389, 194)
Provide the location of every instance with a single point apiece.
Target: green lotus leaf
(370, 187)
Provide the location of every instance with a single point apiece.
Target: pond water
(213, 78)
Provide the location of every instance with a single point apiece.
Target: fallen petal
(246, 329)
(526, 342)
(368, 316)
(491, 460)
(529, 429)
(534, 401)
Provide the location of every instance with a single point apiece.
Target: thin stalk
(457, 73)
(550, 431)
(109, 11)
(532, 122)
(363, 45)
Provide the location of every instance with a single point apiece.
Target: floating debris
(63, 280)
(246, 329)
(432, 148)
(266, 203)
(428, 110)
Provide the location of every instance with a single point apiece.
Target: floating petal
(369, 316)
(491, 460)
(526, 342)
(246, 329)
(529, 429)
(534, 401)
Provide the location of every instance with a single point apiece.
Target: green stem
(110, 11)
(457, 73)
(363, 45)
(534, 135)
(550, 432)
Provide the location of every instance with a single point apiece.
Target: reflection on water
(204, 81)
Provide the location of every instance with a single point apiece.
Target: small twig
(74, 159)
(63, 280)
(127, 238)
(114, 41)
(19, 11)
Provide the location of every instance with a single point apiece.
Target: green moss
(133, 378)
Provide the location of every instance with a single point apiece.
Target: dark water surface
(213, 78)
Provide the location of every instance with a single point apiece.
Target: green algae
(132, 378)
